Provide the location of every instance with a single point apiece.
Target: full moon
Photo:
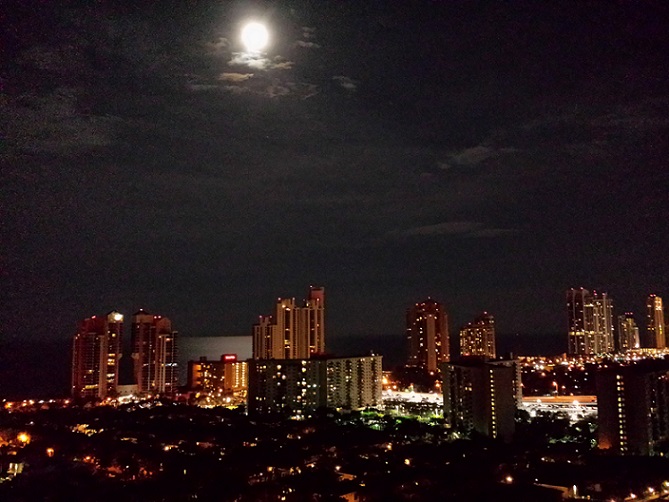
(254, 36)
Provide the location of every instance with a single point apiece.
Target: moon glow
(255, 37)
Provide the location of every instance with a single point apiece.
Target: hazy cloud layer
(346, 82)
(235, 77)
(307, 45)
(457, 228)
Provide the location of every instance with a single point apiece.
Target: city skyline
(392, 153)
(479, 187)
(640, 316)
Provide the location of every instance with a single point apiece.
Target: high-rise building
(655, 329)
(479, 397)
(633, 407)
(628, 332)
(577, 299)
(88, 360)
(224, 376)
(602, 324)
(267, 344)
(427, 335)
(315, 312)
(154, 351)
(478, 337)
(235, 375)
(294, 331)
(590, 322)
(353, 383)
(298, 387)
(96, 351)
(205, 375)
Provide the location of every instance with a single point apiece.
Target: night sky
(487, 154)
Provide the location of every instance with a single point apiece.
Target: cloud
(268, 88)
(52, 123)
(492, 232)
(273, 91)
(235, 77)
(246, 59)
(446, 228)
(307, 45)
(346, 82)
(631, 119)
(283, 65)
(473, 156)
(236, 89)
(467, 229)
(58, 60)
(219, 45)
(308, 32)
(306, 90)
(259, 62)
(202, 87)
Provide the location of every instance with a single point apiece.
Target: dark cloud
(459, 228)
(474, 156)
(346, 82)
(307, 45)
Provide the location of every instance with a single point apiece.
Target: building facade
(427, 335)
(154, 353)
(590, 318)
(628, 333)
(295, 331)
(96, 351)
(577, 299)
(633, 408)
(655, 337)
(480, 396)
(224, 376)
(478, 337)
(298, 387)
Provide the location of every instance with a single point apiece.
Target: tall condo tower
(577, 299)
(295, 331)
(154, 351)
(427, 335)
(478, 337)
(590, 322)
(602, 324)
(655, 329)
(96, 350)
(628, 332)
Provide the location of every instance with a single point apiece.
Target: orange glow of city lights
(23, 437)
